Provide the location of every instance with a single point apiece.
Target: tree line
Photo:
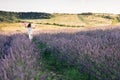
(15, 16)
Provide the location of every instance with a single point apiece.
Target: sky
(61, 6)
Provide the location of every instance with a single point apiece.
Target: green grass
(61, 70)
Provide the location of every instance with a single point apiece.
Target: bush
(86, 13)
(107, 17)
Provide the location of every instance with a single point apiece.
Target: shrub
(107, 17)
(89, 13)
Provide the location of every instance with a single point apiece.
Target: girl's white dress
(30, 33)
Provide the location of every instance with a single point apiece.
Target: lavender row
(97, 52)
(20, 61)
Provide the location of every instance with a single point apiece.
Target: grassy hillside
(68, 20)
(80, 20)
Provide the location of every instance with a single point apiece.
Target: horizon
(56, 13)
(63, 6)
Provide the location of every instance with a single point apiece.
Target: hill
(80, 20)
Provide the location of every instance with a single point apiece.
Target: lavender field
(94, 52)
(18, 57)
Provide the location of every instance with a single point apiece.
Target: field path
(81, 18)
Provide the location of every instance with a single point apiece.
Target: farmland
(64, 47)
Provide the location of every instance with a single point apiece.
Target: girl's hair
(29, 25)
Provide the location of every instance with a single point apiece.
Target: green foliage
(68, 71)
(61, 25)
(107, 17)
(7, 16)
(62, 70)
(14, 16)
(37, 76)
(34, 15)
(89, 13)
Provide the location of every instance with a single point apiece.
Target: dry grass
(97, 21)
(78, 20)
(18, 28)
(61, 19)
(41, 28)
(68, 21)
(11, 27)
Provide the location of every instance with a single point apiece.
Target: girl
(29, 26)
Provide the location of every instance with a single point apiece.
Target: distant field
(65, 23)
(18, 28)
(79, 20)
